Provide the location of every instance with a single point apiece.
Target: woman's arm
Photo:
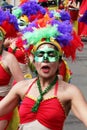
(13, 98)
(79, 105)
(9, 102)
(14, 67)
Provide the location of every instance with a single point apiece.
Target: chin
(47, 76)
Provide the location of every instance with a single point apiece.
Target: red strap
(56, 88)
(30, 86)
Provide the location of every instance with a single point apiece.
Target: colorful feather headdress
(8, 24)
(58, 31)
(60, 14)
(31, 9)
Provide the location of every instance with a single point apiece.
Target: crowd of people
(35, 79)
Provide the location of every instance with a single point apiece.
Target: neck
(42, 93)
(46, 81)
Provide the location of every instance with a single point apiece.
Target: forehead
(46, 46)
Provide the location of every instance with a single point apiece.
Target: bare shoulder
(21, 87)
(9, 56)
(75, 92)
(69, 90)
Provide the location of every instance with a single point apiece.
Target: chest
(49, 110)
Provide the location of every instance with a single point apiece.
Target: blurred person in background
(9, 67)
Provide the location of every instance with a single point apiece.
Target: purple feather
(83, 18)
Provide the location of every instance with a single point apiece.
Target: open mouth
(45, 69)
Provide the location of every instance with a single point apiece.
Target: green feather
(38, 34)
(17, 12)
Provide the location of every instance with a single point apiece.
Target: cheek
(37, 65)
(55, 67)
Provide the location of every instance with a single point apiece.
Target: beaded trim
(29, 96)
(62, 105)
(35, 99)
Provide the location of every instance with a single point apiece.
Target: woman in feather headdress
(9, 67)
(46, 100)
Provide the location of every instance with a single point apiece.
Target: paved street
(79, 78)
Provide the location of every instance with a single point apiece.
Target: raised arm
(79, 105)
(14, 68)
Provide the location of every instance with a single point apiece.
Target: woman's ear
(31, 65)
(31, 57)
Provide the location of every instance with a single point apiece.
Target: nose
(45, 56)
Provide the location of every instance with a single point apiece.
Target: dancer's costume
(5, 86)
(82, 26)
(9, 28)
(51, 113)
(22, 57)
(65, 71)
